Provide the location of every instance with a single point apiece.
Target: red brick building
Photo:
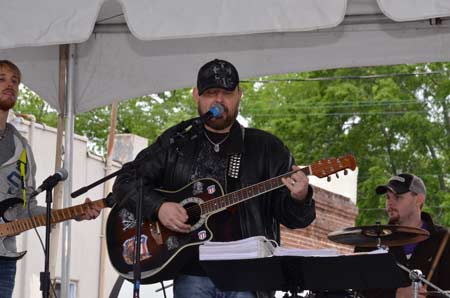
(333, 212)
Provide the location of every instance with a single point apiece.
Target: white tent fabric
(410, 10)
(160, 19)
(46, 22)
(66, 21)
(169, 41)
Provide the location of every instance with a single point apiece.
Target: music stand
(358, 272)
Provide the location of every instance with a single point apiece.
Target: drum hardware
(436, 293)
(381, 236)
(417, 277)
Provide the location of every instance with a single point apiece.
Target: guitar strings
(196, 210)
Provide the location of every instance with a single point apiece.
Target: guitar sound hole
(196, 218)
(193, 211)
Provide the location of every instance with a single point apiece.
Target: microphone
(214, 112)
(52, 180)
(194, 124)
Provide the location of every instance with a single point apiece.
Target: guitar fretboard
(58, 215)
(218, 204)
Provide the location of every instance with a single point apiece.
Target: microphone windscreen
(63, 173)
(217, 109)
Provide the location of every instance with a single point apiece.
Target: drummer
(405, 196)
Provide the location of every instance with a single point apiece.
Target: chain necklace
(216, 146)
(2, 136)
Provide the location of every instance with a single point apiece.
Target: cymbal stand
(416, 277)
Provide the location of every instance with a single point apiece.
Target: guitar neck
(58, 215)
(220, 203)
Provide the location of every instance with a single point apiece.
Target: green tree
(29, 102)
(391, 124)
(147, 116)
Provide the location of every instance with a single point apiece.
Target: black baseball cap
(217, 74)
(403, 183)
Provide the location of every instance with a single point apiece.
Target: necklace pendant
(216, 148)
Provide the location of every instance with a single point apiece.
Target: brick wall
(333, 212)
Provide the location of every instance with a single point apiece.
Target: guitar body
(163, 251)
(5, 205)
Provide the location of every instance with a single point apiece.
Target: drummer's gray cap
(403, 183)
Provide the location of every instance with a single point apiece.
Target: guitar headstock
(326, 167)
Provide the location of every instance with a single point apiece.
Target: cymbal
(379, 235)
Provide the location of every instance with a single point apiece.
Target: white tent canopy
(169, 40)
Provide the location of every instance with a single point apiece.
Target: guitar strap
(22, 168)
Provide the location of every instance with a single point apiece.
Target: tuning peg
(337, 175)
(345, 172)
(328, 178)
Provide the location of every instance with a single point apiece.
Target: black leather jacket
(263, 157)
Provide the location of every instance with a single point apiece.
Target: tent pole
(58, 190)
(68, 164)
(106, 190)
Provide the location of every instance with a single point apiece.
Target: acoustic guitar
(163, 251)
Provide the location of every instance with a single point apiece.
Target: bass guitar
(11, 228)
(163, 251)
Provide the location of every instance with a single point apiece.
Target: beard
(222, 122)
(7, 104)
(394, 217)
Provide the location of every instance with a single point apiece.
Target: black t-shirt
(224, 225)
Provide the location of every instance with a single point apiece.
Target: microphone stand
(45, 276)
(179, 137)
(137, 242)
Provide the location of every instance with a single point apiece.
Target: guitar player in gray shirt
(17, 177)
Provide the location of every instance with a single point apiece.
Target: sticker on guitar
(127, 218)
(197, 188)
(202, 235)
(128, 249)
(211, 189)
